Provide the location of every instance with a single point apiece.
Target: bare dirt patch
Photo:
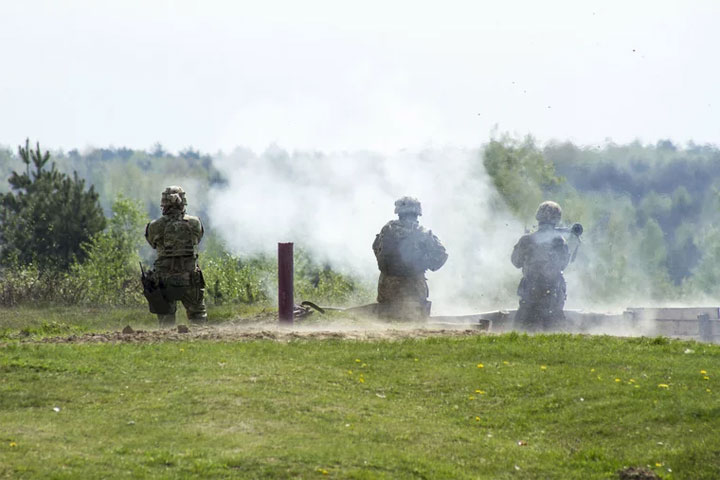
(637, 473)
(267, 330)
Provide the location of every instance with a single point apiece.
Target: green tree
(47, 215)
(109, 275)
(520, 173)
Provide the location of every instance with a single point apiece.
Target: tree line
(651, 211)
(71, 224)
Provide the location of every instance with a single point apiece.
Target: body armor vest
(175, 235)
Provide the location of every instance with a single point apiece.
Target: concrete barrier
(691, 323)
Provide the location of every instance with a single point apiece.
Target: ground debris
(637, 473)
(261, 331)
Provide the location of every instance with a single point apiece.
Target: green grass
(41, 321)
(555, 406)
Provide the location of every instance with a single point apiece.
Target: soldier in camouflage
(542, 256)
(404, 251)
(176, 273)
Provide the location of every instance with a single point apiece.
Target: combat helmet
(408, 206)
(549, 212)
(173, 196)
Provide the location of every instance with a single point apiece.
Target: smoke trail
(333, 204)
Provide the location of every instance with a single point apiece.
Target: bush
(110, 275)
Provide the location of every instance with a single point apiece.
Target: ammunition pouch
(153, 290)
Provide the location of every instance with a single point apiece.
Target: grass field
(483, 406)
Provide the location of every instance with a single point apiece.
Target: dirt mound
(637, 473)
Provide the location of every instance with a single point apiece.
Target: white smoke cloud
(333, 204)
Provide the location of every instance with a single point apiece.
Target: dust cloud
(333, 205)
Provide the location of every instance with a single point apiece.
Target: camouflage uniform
(404, 251)
(542, 255)
(176, 236)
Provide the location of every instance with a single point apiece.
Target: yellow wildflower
(13, 444)
(658, 464)
(477, 419)
(703, 372)
(592, 370)
(471, 397)
(481, 392)
(618, 380)
(706, 378)
(357, 360)
(349, 372)
(361, 380)
(707, 390)
(323, 471)
(416, 359)
(543, 367)
(663, 385)
(480, 365)
(631, 381)
(506, 362)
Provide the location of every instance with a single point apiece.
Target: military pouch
(153, 292)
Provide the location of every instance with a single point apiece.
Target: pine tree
(47, 215)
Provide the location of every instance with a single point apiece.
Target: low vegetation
(509, 406)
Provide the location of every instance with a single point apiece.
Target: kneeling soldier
(176, 274)
(405, 251)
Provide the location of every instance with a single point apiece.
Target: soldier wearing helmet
(176, 274)
(404, 251)
(542, 256)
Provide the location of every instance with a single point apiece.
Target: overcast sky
(365, 74)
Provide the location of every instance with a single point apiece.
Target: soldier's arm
(149, 235)
(196, 226)
(437, 255)
(376, 245)
(562, 252)
(519, 252)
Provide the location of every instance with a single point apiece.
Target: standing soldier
(404, 251)
(176, 275)
(542, 255)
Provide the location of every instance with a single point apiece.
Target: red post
(286, 293)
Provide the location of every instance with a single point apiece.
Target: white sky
(364, 74)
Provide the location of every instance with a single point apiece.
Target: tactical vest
(546, 255)
(175, 235)
(405, 250)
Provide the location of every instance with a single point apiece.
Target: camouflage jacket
(175, 235)
(405, 248)
(543, 254)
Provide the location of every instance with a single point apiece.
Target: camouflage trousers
(403, 297)
(186, 287)
(541, 305)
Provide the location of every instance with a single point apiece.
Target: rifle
(577, 230)
(147, 283)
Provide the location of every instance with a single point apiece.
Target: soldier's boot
(197, 318)
(167, 320)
